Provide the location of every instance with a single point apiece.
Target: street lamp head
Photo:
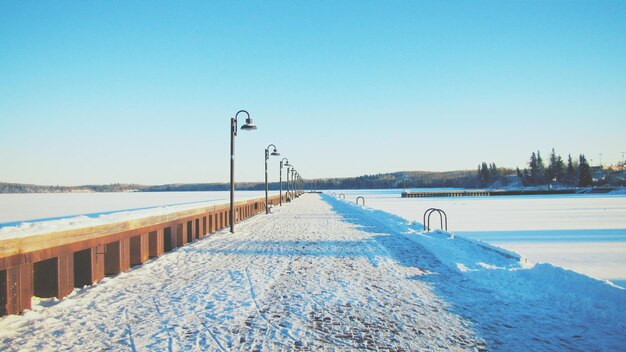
(249, 126)
(275, 152)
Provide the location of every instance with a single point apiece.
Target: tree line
(6, 187)
(577, 173)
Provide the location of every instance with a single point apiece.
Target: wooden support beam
(98, 256)
(139, 249)
(65, 275)
(16, 289)
(155, 246)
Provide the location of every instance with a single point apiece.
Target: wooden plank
(125, 254)
(112, 259)
(181, 234)
(65, 283)
(97, 260)
(17, 288)
(203, 227)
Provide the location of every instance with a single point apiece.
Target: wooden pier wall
(53, 264)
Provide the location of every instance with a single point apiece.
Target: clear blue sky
(142, 91)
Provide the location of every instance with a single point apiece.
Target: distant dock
(503, 192)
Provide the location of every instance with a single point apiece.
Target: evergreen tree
(485, 174)
(493, 171)
(533, 169)
(571, 171)
(541, 171)
(584, 172)
(556, 168)
(537, 170)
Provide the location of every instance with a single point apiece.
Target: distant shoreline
(428, 191)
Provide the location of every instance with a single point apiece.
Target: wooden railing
(53, 264)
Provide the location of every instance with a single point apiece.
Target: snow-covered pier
(326, 274)
(53, 264)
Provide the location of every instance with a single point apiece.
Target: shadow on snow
(512, 307)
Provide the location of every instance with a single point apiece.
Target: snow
(585, 233)
(320, 273)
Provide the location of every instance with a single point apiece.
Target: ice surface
(28, 214)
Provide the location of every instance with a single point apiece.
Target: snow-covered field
(320, 273)
(585, 233)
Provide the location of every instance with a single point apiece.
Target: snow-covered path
(323, 274)
(299, 278)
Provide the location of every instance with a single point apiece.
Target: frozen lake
(585, 233)
(15, 208)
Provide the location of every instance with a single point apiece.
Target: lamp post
(293, 182)
(288, 166)
(267, 156)
(281, 179)
(296, 184)
(248, 126)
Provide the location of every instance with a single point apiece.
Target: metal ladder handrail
(442, 216)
